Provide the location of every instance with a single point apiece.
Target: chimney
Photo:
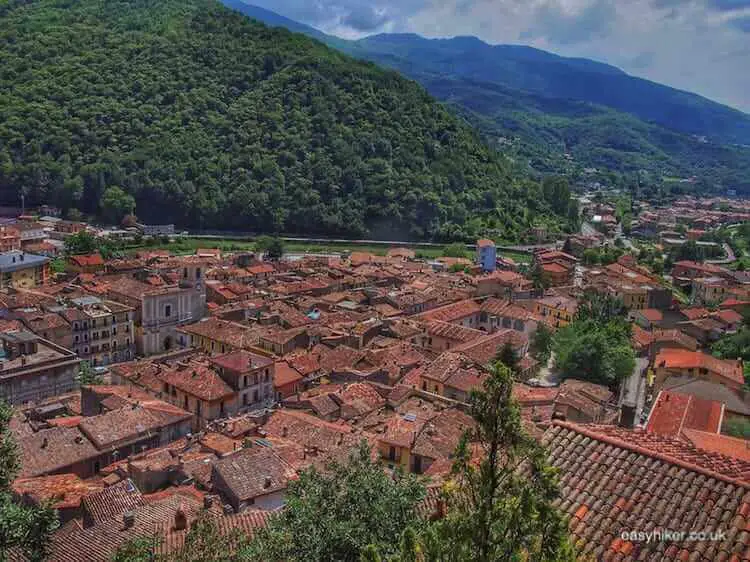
(45, 442)
(180, 519)
(208, 502)
(284, 431)
(128, 519)
(267, 482)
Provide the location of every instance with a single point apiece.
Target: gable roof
(254, 472)
(611, 481)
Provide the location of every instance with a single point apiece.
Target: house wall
(39, 385)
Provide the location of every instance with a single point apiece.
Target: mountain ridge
(575, 106)
(202, 117)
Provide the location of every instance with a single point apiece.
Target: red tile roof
(451, 312)
(285, 375)
(674, 412)
(683, 359)
(615, 480)
(652, 314)
(484, 242)
(197, 379)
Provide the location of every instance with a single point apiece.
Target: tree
(337, 514)
(86, 375)
(455, 251)
(508, 357)
(272, 246)
(116, 204)
(26, 528)
(500, 506)
(81, 243)
(541, 343)
(594, 351)
(600, 308)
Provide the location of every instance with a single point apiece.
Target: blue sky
(697, 45)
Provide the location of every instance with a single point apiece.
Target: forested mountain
(551, 106)
(212, 120)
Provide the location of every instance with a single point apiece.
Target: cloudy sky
(697, 45)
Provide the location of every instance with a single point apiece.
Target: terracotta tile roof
(89, 260)
(171, 541)
(241, 361)
(112, 428)
(683, 359)
(285, 375)
(729, 316)
(253, 472)
(197, 379)
(694, 313)
(439, 437)
(63, 490)
(529, 395)
(454, 332)
(506, 309)
(359, 399)
(716, 443)
(612, 483)
(668, 449)
(98, 543)
(555, 267)
(640, 337)
(484, 242)
(675, 336)
(652, 314)
(229, 333)
(485, 349)
(445, 366)
(310, 431)
(674, 412)
(50, 450)
(451, 312)
(112, 502)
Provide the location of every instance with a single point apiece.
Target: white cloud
(697, 45)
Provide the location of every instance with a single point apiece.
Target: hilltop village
(151, 387)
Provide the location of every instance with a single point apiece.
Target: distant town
(153, 374)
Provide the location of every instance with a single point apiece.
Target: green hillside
(550, 105)
(210, 120)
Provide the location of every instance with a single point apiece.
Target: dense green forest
(564, 116)
(204, 118)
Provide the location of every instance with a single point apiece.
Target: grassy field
(189, 245)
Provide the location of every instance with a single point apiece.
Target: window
(265, 376)
(221, 407)
(166, 388)
(76, 339)
(168, 310)
(185, 403)
(244, 381)
(244, 399)
(255, 395)
(198, 407)
(197, 272)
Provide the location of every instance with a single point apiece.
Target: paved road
(364, 242)
(633, 389)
